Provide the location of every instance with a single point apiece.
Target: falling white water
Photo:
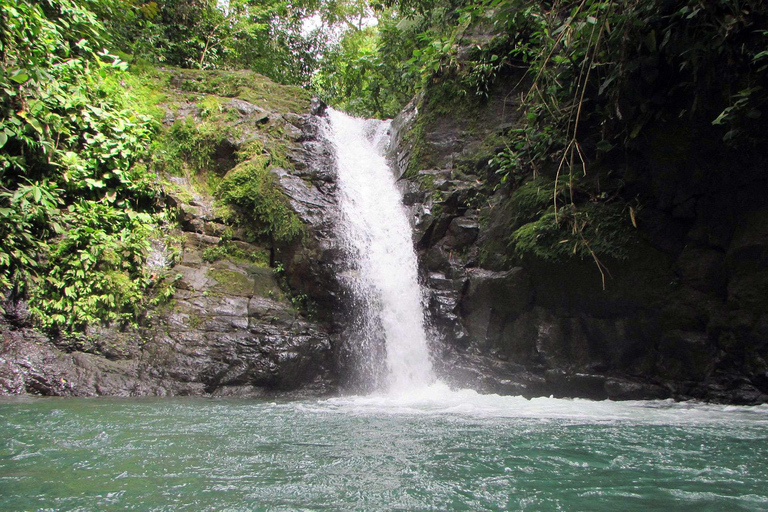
(377, 231)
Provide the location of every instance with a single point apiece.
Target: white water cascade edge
(384, 275)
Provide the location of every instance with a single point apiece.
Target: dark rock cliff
(684, 317)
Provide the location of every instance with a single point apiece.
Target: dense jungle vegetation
(80, 200)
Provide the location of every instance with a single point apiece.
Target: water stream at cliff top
(378, 236)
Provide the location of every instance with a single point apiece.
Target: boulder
(703, 269)
(508, 292)
(231, 328)
(462, 231)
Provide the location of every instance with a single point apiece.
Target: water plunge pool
(437, 450)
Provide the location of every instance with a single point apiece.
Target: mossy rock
(265, 283)
(237, 252)
(259, 202)
(257, 281)
(245, 85)
(231, 282)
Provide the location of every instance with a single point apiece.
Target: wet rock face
(684, 318)
(234, 327)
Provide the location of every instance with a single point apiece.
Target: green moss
(231, 282)
(426, 180)
(195, 321)
(231, 251)
(181, 192)
(155, 91)
(532, 199)
(446, 102)
(449, 97)
(253, 194)
(244, 85)
(258, 281)
(419, 158)
(251, 149)
(189, 147)
(583, 231)
(210, 106)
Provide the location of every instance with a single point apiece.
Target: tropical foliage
(76, 203)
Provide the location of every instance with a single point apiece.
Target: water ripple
(441, 452)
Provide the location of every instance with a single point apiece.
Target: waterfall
(377, 233)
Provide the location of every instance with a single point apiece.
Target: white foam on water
(438, 399)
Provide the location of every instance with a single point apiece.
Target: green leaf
(605, 84)
(723, 116)
(604, 145)
(20, 77)
(94, 183)
(36, 125)
(3, 139)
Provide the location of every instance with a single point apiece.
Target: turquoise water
(437, 451)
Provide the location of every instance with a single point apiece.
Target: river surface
(434, 450)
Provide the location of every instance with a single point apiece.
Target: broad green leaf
(20, 77)
(94, 183)
(36, 125)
